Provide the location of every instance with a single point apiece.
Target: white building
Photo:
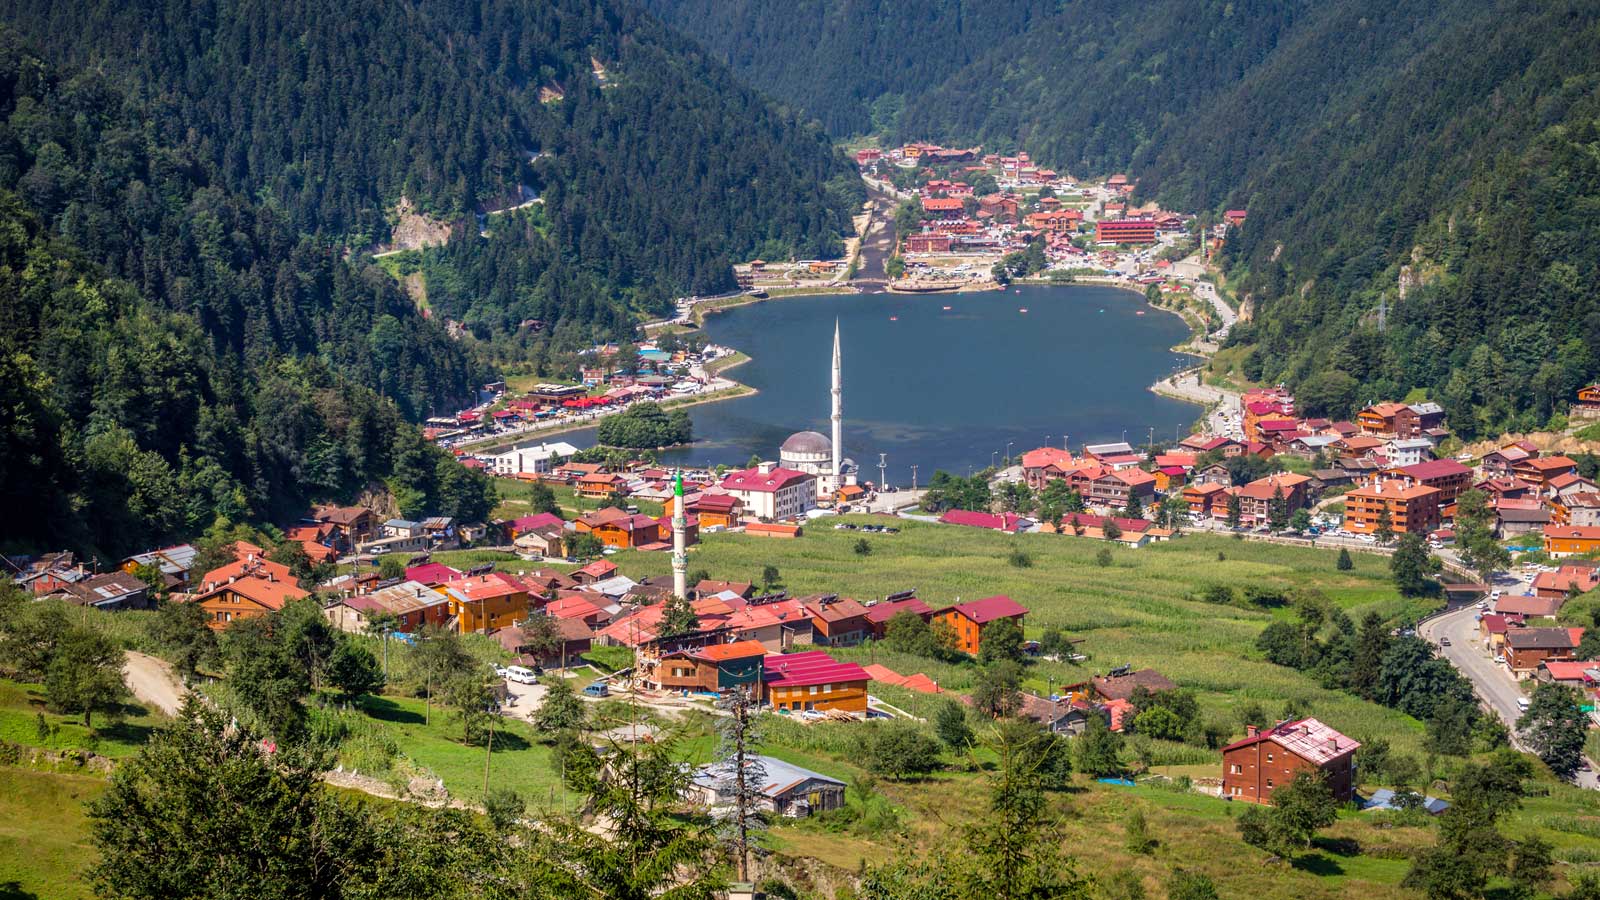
(1409, 451)
(531, 460)
(771, 492)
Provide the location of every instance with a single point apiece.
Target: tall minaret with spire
(838, 413)
(680, 555)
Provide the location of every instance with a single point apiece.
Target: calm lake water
(943, 389)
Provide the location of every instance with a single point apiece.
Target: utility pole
(488, 750)
(913, 478)
(1151, 449)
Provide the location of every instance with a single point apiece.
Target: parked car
(1499, 660)
(1522, 703)
(597, 689)
(521, 675)
(814, 715)
(1444, 642)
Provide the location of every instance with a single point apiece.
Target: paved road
(152, 682)
(1495, 685)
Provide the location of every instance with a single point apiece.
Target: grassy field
(519, 762)
(44, 834)
(1143, 609)
(21, 706)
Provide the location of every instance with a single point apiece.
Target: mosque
(814, 453)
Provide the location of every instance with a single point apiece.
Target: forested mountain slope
(1364, 136)
(850, 64)
(172, 352)
(658, 169)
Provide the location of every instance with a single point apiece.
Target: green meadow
(1143, 609)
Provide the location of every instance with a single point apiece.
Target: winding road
(152, 681)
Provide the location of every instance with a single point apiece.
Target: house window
(1269, 757)
(813, 689)
(1236, 769)
(1269, 782)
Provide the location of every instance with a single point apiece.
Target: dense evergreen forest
(851, 64)
(1447, 147)
(172, 352)
(657, 168)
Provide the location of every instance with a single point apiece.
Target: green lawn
(21, 705)
(519, 763)
(44, 834)
(1143, 609)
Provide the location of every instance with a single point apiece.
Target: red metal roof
(1436, 468)
(808, 668)
(1007, 522)
(989, 608)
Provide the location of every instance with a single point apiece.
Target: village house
(1064, 716)
(714, 510)
(572, 640)
(109, 591)
(771, 493)
(1583, 675)
(1582, 509)
(532, 460)
(1581, 577)
(813, 680)
(600, 486)
(1256, 498)
(1121, 684)
(879, 614)
(594, 572)
(250, 586)
(1571, 540)
(1528, 648)
(174, 563)
(1041, 465)
(1502, 462)
(412, 604)
(786, 789)
(711, 669)
(628, 531)
(1252, 768)
(482, 603)
(836, 621)
(1201, 496)
(1588, 405)
(969, 620)
(1540, 471)
(351, 524)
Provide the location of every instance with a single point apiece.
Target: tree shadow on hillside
(12, 890)
(389, 711)
(1317, 864)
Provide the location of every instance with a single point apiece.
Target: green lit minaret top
(677, 485)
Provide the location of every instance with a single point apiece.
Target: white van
(521, 675)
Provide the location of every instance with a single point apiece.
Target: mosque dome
(806, 443)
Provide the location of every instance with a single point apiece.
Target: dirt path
(152, 681)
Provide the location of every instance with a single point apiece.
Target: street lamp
(1008, 453)
(992, 455)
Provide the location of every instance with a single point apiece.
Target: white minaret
(680, 555)
(838, 413)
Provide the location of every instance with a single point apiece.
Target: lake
(944, 389)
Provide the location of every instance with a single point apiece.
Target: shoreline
(736, 389)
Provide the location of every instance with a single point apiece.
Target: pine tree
(740, 774)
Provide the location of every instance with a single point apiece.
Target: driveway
(152, 682)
